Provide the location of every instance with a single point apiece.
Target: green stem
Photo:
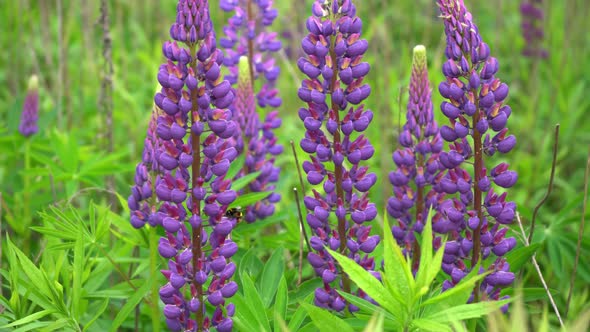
(153, 243)
(27, 199)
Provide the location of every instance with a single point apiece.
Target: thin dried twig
(302, 184)
(301, 232)
(536, 265)
(580, 236)
(549, 187)
(106, 88)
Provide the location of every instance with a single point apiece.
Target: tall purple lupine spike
(334, 67)
(192, 151)
(247, 35)
(417, 161)
(259, 145)
(30, 114)
(532, 17)
(475, 106)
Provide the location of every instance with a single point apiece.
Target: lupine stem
(338, 167)
(196, 208)
(250, 45)
(27, 198)
(477, 194)
(155, 310)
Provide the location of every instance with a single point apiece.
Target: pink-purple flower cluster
(187, 155)
(532, 26)
(246, 37)
(475, 215)
(417, 160)
(334, 119)
(30, 115)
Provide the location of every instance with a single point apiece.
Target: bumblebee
(235, 213)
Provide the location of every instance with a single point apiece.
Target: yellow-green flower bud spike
(419, 60)
(244, 73)
(33, 83)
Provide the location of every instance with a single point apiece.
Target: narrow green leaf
(376, 322)
(369, 308)
(459, 293)
(426, 253)
(234, 168)
(467, 311)
(131, 303)
(430, 325)
(78, 270)
(254, 301)
(365, 280)
(280, 306)
(326, 321)
(97, 314)
(519, 257)
(249, 199)
(271, 276)
(244, 181)
(244, 320)
(397, 276)
(300, 314)
(30, 318)
(32, 327)
(34, 274)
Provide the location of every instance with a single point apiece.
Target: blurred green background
(61, 42)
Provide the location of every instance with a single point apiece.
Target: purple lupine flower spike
(417, 161)
(532, 16)
(334, 67)
(143, 203)
(259, 144)
(476, 214)
(189, 149)
(30, 114)
(247, 35)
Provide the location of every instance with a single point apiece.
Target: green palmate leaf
(518, 257)
(249, 199)
(254, 302)
(299, 315)
(366, 281)
(325, 321)
(271, 276)
(131, 303)
(398, 276)
(244, 181)
(280, 306)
